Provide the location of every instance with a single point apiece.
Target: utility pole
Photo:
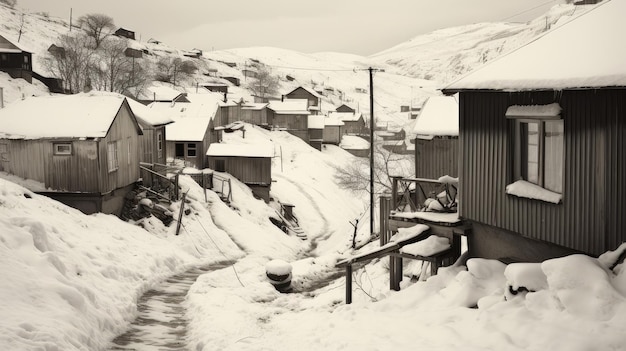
(371, 70)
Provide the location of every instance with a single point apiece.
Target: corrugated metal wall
(436, 158)
(589, 218)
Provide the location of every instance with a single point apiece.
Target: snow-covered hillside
(413, 71)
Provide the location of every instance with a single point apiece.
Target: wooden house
(345, 108)
(354, 123)
(290, 115)
(253, 113)
(153, 146)
(125, 33)
(16, 62)
(542, 140)
(193, 130)
(333, 130)
(314, 99)
(83, 149)
(250, 163)
(437, 138)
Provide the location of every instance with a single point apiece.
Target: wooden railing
(410, 194)
(157, 182)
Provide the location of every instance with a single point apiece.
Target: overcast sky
(361, 27)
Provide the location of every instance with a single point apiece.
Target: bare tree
(97, 26)
(265, 83)
(72, 63)
(21, 30)
(9, 3)
(355, 176)
(172, 69)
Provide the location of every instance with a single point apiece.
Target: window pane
(112, 156)
(530, 144)
(553, 177)
(180, 150)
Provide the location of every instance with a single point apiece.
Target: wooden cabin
(16, 62)
(354, 123)
(83, 149)
(253, 113)
(193, 130)
(250, 163)
(437, 138)
(314, 99)
(543, 134)
(333, 130)
(153, 147)
(125, 33)
(291, 115)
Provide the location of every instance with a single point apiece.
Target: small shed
(84, 148)
(354, 123)
(344, 108)
(290, 115)
(253, 113)
(250, 163)
(333, 130)
(316, 131)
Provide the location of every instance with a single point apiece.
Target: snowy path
(161, 323)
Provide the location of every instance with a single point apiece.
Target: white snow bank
(522, 188)
(434, 217)
(525, 275)
(354, 142)
(278, 267)
(408, 233)
(427, 247)
(448, 180)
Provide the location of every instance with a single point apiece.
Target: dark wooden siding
(589, 217)
(437, 157)
(354, 127)
(249, 170)
(258, 117)
(300, 93)
(332, 134)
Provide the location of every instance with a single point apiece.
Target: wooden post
(180, 213)
(348, 284)
(176, 186)
(397, 278)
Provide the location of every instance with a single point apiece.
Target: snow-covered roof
(583, 53)
(146, 115)
(159, 93)
(439, 116)
(333, 121)
(253, 106)
(191, 118)
(85, 115)
(290, 106)
(240, 150)
(315, 122)
(345, 116)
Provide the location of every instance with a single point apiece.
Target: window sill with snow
(522, 188)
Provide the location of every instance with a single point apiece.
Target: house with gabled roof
(542, 137)
(314, 99)
(15, 61)
(82, 149)
(437, 138)
(193, 130)
(345, 108)
(153, 147)
(125, 33)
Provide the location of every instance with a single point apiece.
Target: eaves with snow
(240, 150)
(439, 117)
(586, 52)
(290, 106)
(85, 115)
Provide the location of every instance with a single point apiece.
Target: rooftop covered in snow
(290, 106)
(240, 150)
(586, 52)
(439, 116)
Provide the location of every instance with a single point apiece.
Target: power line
(528, 10)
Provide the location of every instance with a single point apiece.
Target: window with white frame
(538, 152)
(62, 149)
(112, 158)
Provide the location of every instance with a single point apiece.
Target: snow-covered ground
(71, 281)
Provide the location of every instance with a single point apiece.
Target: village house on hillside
(291, 115)
(189, 137)
(333, 130)
(354, 123)
(253, 113)
(437, 138)
(345, 108)
(153, 148)
(314, 99)
(543, 133)
(250, 163)
(161, 94)
(16, 62)
(83, 149)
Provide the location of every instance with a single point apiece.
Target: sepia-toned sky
(361, 27)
